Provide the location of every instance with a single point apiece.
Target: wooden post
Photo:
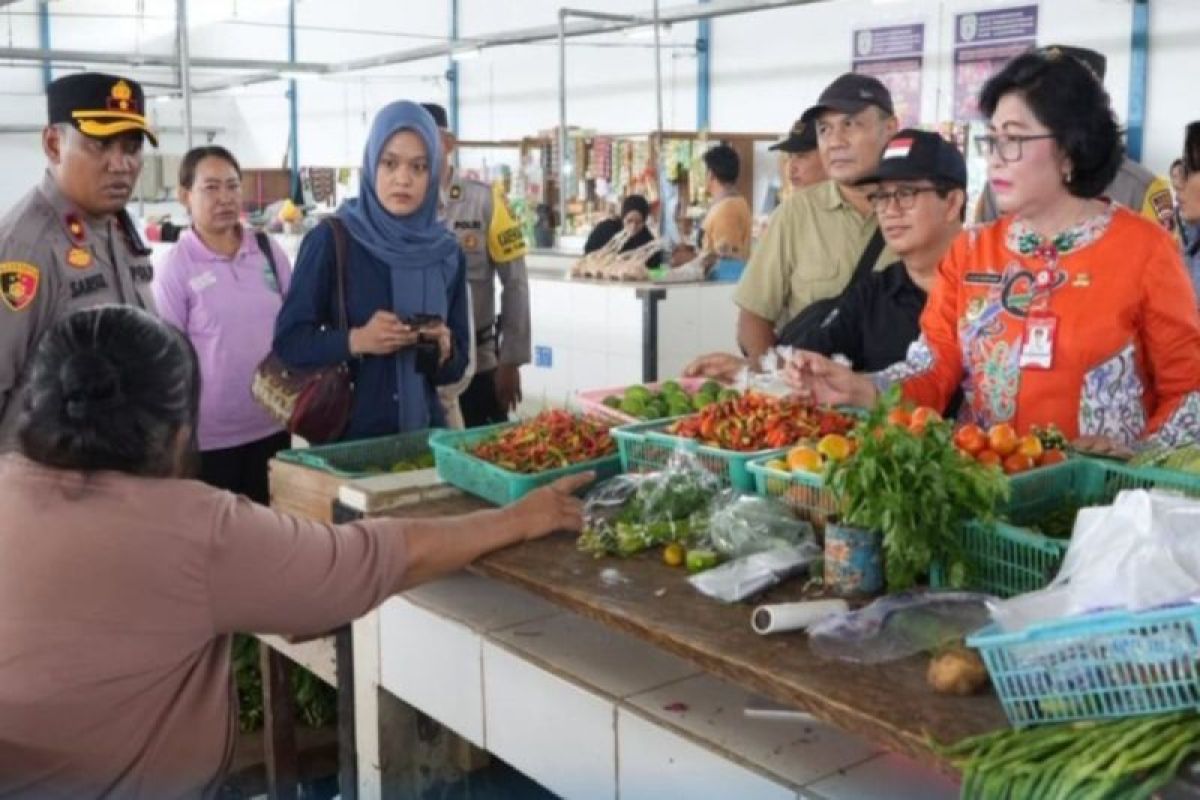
(279, 728)
(347, 751)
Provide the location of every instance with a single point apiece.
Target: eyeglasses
(1009, 148)
(905, 196)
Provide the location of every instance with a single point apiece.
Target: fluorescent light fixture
(162, 99)
(467, 53)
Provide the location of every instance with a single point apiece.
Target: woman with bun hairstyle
(122, 582)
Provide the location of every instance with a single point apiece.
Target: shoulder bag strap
(339, 247)
(866, 262)
(264, 244)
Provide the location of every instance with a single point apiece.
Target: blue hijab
(413, 247)
(416, 240)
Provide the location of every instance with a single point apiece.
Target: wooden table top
(888, 704)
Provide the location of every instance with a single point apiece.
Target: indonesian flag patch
(898, 148)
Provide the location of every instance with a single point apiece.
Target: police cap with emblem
(99, 105)
(801, 139)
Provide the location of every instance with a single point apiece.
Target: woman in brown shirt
(121, 583)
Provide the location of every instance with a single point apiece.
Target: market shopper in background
(1133, 186)
(634, 220)
(919, 194)
(122, 583)
(223, 286)
(815, 239)
(494, 247)
(727, 226)
(802, 165)
(1188, 205)
(403, 268)
(1037, 317)
(69, 242)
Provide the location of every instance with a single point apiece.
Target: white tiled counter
(590, 712)
(591, 334)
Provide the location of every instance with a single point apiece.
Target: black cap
(801, 139)
(1094, 61)
(439, 115)
(99, 105)
(912, 155)
(849, 94)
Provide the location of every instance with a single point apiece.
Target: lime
(638, 393)
(710, 387)
(673, 555)
(612, 401)
(728, 394)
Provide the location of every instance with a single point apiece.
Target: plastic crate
(637, 451)
(458, 467)
(1009, 557)
(803, 491)
(360, 458)
(646, 447)
(1105, 665)
(592, 400)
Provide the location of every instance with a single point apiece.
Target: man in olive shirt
(69, 242)
(814, 240)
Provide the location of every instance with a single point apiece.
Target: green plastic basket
(805, 492)
(646, 447)
(1009, 557)
(460, 468)
(363, 457)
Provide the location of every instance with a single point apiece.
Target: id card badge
(1037, 350)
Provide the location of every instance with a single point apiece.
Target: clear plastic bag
(747, 576)
(743, 524)
(631, 513)
(899, 625)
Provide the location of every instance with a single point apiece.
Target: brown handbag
(312, 403)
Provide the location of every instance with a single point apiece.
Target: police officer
(494, 246)
(1135, 187)
(69, 243)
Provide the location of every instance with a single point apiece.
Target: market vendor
(919, 194)
(1037, 317)
(122, 583)
(634, 220)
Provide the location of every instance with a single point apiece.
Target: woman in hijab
(635, 218)
(406, 285)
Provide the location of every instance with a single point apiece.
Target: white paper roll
(794, 616)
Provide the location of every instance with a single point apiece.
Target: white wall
(766, 68)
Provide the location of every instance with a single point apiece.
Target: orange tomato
(989, 458)
(922, 417)
(899, 417)
(971, 439)
(1003, 439)
(1018, 462)
(1049, 457)
(1030, 445)
(834, 446)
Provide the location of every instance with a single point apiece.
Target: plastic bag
(746, 577)
(743, 524)
(1141, 552)
(631, 513)
(899, 625)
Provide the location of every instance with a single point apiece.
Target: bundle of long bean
(1127, 758)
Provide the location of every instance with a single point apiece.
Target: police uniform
(493, 245)
(54, 258)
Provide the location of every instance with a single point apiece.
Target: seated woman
(122, 582)
(919, 193)
(1069, 310)
(635, 216)
(403, 268)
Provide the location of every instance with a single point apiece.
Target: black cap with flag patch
(915, 155)
(99, 105)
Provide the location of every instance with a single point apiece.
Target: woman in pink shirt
(223, 287)
(121, 583)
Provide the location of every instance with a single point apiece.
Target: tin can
(853, 560)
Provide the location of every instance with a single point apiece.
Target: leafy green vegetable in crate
(916, 488)
(1183, 459)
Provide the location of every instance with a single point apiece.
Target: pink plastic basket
(592, 400)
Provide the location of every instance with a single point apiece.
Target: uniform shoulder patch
(1162, 208)
(19, 282)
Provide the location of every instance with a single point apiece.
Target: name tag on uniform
(202, 281)
(985, 278)
(1037, 350)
